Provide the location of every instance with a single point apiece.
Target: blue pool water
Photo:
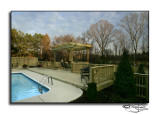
(23, 87)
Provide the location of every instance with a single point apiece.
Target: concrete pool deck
(62, 75)
(59, 92)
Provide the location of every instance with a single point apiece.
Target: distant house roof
(69, 46)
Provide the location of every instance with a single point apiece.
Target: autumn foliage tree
(18, 43)
(37, 38)
(14, 49)
(45, 48)
(45, 43)
(25, 44)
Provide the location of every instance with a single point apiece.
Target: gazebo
(71, 47)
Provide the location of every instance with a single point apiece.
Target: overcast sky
(61, 23)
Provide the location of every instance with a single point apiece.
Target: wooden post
(88, 55)
(71, 56)
(147, 87)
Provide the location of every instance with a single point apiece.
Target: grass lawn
(108, 96)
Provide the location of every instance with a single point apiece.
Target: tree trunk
(135, 57)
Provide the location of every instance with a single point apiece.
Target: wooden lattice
(142, 84)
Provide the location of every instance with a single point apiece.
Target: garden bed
(108, 96)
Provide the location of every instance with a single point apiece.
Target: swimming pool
(23, 87)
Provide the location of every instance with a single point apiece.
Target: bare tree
(86, 39)
(115, 46)
(102, 33)
(133, 24)
(145, 40)
(145, 45)
(64, 39)
(121, 41)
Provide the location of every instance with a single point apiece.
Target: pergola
(72, 47)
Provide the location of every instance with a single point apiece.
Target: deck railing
(99, 74)
(75, 67)
(142, 85)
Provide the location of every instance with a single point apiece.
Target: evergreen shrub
(124, 83)
(92, 92)
(141, 69)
